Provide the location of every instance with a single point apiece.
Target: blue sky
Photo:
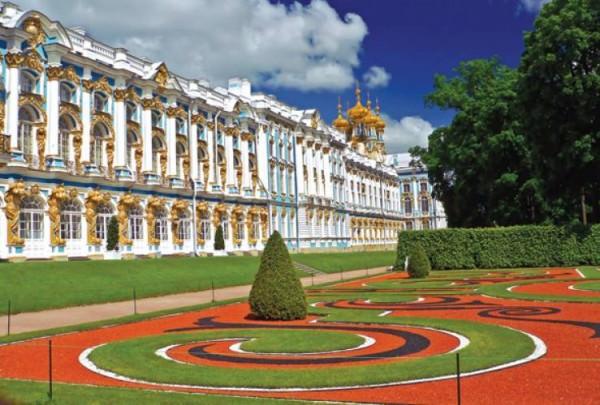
(309, 52)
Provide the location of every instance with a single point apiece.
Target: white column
(86, 118)
(210, 145)
(327, 173)
(12, 106)
(120, 124)
(147, 140)
(262, 159)
(246, 175)
(52, 106)
(230, 180)
(318, 165)
(299, 166)
(171, 135)
(193, 145)
(310, 169)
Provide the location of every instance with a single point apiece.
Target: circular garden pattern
(371, 339)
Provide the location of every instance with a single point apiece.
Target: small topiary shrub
(418, 263)
(219, 241)
(277, 293)
(112, 234)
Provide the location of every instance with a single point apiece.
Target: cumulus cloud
(408, 132)
(533, 6)
(305, 47)
(376, 76)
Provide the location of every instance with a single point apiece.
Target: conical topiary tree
(112, 234)
(219, 241)
(277, 293)
(418, 263)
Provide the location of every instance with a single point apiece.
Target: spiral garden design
(380, 339)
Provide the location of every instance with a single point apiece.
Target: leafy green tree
(480, 164)
(219, 241)
(277, 293)
(559, 95)
(418, 262)
(112, 236)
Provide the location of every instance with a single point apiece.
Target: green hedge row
(516, 246)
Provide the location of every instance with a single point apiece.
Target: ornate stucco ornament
(126, 202)
(57, 198)
(162, 76)
(99, 85)
(218, 211)
(201, 210)
(92, 201)
(153, 206)
(126, 94)
(152, 104)
(33, 27)
(198, 119)
(176, 112)
(40, 137)
(177, 211)
(14, 59)
(237, 216)
(12, 198)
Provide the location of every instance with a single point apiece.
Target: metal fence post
(50, 369)
(8, 320)
(134, 302)
(458, 393)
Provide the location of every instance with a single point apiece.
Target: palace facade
(91, 132)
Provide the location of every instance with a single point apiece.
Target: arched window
(100, 101)
(156, 119)
(180, 152)
(130, 150)
(205, 225)
(28, 81)
(27, 117)
(104, 213)
(70, 220)
(180, 126)
(157, 146)
(424, 204)
(31, 219)
(407, 205)
(131, 112)
(409, 226)
(67, 92)
(136, 223)
(160, 225)
(65, 126)
(184, 226)
(99, 133)
(225, 225)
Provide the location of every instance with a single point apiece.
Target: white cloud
(306, 47)
(408, 132)
(533, 6)
(376, 76)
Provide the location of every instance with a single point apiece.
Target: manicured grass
(500, 290)
(489, 345)
(589, 286)
(336, 262)
(26, 392)
(304, 341)
(35, 286)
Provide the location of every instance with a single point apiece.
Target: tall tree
(559, 92)
(480, 164)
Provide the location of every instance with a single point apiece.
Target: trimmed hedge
(219, 241)
(418, 263)
(112, 234)
(504, 247)
(277, 293)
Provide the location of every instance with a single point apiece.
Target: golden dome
(380, 124)
(371, 119)
(358, 112)
(340, 122)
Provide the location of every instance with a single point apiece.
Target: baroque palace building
(91, 132)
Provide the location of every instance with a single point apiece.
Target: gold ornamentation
(120, 95)
(110, 149)
(72, 109)
(14, 59)
(178, 112)
(153, 205)
(33, 27)
(162, 76)
(99, 85)
(247, 136)
(232, 131)
(69, 74)
(77, 147)
(153, 104)
(198, 119)
(139, 153)
(163, 164)
(1, 124)
(177, 211)
(264, 224)
(186, 168)
(314, 121)
(54, 73)
(205, 168)
(237, 216)
(210, 125)
(218, 212)
(104, 118)
(57, 198)
(40, 137)
(126, 94)
(12, 198)
(93, 199)
(34, 99)
(126, 202)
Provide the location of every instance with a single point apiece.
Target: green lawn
(34, 286)
(336, 262)
(25, 392)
